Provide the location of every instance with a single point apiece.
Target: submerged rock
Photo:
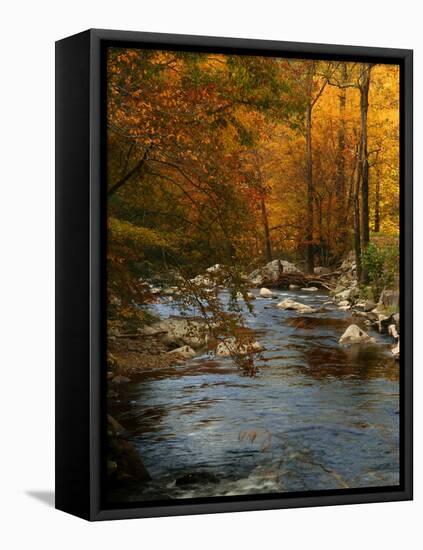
(355, 335)
(289, 304)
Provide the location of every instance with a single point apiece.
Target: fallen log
(299, 279)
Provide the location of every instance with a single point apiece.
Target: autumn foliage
(240, 159)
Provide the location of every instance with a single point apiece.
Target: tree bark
(139, 166)
(364, 107)
(377, 201)
(310, 213)
(357, 235)
(266, 231)
(340, 187)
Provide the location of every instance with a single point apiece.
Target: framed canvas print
(234, 274)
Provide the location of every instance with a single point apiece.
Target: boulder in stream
(289, 304)
(231, 346)
(180, 332)
(355, 335)
(271, 272)
(266, 293)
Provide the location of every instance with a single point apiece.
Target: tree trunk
(319, 215)
(309, 233)
(364, 106)
(340, 187)
(357, 235)
(377, 201)
(266, 231)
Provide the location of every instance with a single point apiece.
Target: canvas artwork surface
(252, 275)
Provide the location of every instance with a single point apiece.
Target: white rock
(232, 346)
(342, 296)
(349, 294)
(396, 351)
(355, 335)
(289, 304)
(202, 280)
(271, 272)
(214, 268)
(266, 293)
(392, 331)
(310, 289)
(293, 287)
(182, 332)
(344, 303)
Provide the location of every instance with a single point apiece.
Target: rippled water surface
(317, 416)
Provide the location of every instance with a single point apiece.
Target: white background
(27, 36)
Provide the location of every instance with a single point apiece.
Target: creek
(317, 416)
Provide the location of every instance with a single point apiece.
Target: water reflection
(318, 415)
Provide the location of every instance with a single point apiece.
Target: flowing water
(317, 416)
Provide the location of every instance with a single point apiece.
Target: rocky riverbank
(168, 343)
(382, 315)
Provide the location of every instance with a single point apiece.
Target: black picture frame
(80, 272)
